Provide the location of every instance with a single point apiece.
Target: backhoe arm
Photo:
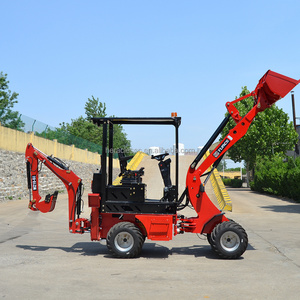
(72, 182)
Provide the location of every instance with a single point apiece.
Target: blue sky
(146, 58)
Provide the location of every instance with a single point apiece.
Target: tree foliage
(95, 109)
(274, 175)
(84, 134)
(271, 132)
(8, 99)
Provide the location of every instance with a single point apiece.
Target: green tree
(84, 134)
(270, 133)
(94, 108)
(8, 99)
(84, 127)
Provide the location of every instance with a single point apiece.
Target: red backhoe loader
(123, 215)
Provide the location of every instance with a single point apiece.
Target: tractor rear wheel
(125, 240)
(229, 240)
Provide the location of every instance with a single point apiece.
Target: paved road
(39, 259)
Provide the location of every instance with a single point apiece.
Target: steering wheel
(159, 157)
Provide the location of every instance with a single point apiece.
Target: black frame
(107, 147)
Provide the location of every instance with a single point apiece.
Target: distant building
(154, 150)
(181, 149)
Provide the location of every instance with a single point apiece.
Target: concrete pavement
(40, 259)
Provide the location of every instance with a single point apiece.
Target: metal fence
(62, 136)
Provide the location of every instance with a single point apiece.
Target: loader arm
(72, 182)
(271, 87)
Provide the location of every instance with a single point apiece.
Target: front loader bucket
(272, 87)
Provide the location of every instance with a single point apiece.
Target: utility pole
(294, 120)
(293, 108)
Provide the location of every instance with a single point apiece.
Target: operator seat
(128, 176)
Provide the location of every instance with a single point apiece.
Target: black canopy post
(111, 153)
(176, 158)
(104, 161)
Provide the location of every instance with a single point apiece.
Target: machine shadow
(149, 250)
(83, 248)
(153, 250)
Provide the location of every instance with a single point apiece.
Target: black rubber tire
(208, 236)
(229, 240)
(125, 240)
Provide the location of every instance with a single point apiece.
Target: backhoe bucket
(272, 87)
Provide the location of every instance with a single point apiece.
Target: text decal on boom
(34, 185)
(222, 146)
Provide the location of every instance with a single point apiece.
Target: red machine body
(121, 214)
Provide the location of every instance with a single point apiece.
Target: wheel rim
(124, 241)
(230, 241)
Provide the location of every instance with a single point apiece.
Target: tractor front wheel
(125, 240)
(229, 240)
